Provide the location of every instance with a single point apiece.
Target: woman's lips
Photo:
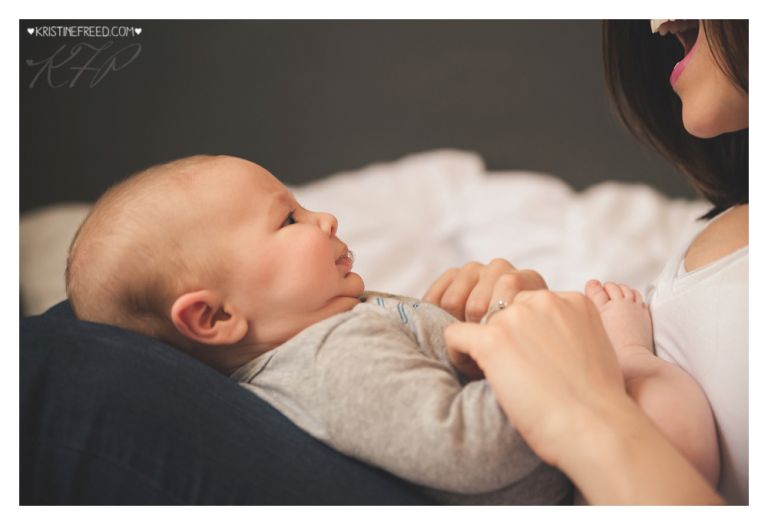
(680, 66)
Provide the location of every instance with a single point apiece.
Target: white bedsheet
(407, 221)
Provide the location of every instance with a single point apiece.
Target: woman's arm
(556, 376)
(619, 457)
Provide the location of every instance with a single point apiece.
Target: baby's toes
(594, 290)
(639, 297)
(614, 291)
(628, 292)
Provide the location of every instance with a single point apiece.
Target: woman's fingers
(468, 292)
(487, 291)
(471, 341)
(512, 283)
(458, 337)
(438, 288)
(544, 355)
(454, 298)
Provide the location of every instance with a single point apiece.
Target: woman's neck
(724, 235)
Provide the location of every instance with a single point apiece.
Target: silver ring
(495, 307)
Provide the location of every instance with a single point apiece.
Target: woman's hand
(548, 358)
(556, 376)
(467, 292)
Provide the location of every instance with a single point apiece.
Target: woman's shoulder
(722, 236)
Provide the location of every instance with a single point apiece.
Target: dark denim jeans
(112, 417)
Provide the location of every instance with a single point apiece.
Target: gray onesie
(376, 384)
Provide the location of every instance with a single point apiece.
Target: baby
(214, 256)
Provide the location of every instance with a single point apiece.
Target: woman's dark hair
(637, 68)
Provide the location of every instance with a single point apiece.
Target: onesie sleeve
(386, 403)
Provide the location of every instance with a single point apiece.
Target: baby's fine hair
(126, 264)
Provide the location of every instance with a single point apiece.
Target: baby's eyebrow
(286, 198)
(281, 200)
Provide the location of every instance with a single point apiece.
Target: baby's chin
(348, 298)
(341, 304)
(356, 285)
(293, 326)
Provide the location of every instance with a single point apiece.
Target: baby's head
(212, 255)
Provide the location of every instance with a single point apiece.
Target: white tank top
(700, 322)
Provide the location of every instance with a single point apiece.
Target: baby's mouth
(345, 261)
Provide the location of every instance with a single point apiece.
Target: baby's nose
(328, 223)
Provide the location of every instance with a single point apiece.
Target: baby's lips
(346, 259)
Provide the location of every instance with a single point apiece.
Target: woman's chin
(706, 123)
(700, 126)
(704, 132)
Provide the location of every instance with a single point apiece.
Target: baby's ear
(203, 317)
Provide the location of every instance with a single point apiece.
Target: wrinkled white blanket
(407, 221)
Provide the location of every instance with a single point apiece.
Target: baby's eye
(289, 220)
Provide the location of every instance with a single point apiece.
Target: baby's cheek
(317, 254)
(306, 273)
(306, 268)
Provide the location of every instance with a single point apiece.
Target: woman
(547, 355)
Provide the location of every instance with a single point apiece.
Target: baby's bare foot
(625, 316)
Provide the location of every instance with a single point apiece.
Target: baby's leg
(625, 316)
(668, 395)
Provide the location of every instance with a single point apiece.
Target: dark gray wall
(308, 98)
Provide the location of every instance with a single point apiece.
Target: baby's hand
(467, 292)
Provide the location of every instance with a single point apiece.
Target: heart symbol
(30, 30)
(138, 30)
